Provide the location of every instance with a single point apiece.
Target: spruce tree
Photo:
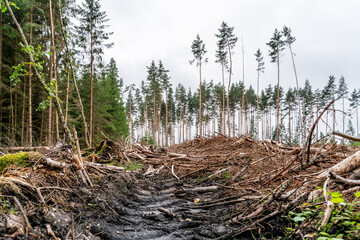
(342, 91)
(91, 36)
(198, 50)
(354, 104)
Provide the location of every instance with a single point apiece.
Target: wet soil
(158, 208)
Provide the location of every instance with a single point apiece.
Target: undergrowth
(344, 222)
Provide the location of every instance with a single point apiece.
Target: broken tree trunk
(347, 165)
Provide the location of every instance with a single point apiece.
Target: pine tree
(164, 78)
(289, 40)
(198, 50)
(227, 42)
(276, 45)
(221, 57)
(342, 91)
(354, 104)
(92, 22)
(129, 108)
(260, 68)
(328, 94)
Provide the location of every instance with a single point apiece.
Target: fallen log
(347, 165)
(26, 149)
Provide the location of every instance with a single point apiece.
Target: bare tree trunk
(243, 93)
(131, 126)
(278, 99)
(23, 116)
(200, 110)
(166, 120)
(154, 123)
(54, 65)
(57, 103)
(257, 105)
(223, 106)
(30, 87)
(67, 94)
(91, 85)
(228, 95)
(158, 124)
(1, 37)
(86, 130)
(297, 87)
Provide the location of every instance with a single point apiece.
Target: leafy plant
(343, 224)
(20, 71)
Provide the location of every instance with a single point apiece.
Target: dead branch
(80, 162)
(173, 172)
(344, 180)
(345, 166)
(314, 125)
(347, 136)
(26, 149)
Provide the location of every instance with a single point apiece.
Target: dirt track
(161, 209)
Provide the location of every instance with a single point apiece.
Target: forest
(97, 101)
(99, 157)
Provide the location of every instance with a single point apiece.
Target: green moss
(116, 164)
(133, 166)
(102, 149)
(17, 159)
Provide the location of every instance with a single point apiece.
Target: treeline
(172, 114)
(69, 56)
(176, 117)
(68, 42)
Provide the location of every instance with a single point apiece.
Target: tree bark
(54, 65)
(91, 84)
(166, 119)
(200, 111)
(278, 98)
(1, 122)
(297, 87)
(30, 87)
(81, 106)
(228, 95)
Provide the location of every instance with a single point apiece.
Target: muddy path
(159, 208)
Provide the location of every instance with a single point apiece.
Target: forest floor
(208, 188)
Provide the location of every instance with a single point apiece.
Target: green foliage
(20, 71)
(344, 222)
(3, 6)
(17, 159)
(6, 207)
(133, 166)
(148, 139)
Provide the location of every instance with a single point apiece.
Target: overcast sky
(327, 33)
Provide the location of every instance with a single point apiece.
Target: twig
(344, 180)
(246, 167)
(173, 173)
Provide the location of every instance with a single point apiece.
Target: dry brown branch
(173, 172)
(313, 128)
(344, 180)
(346, 136)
